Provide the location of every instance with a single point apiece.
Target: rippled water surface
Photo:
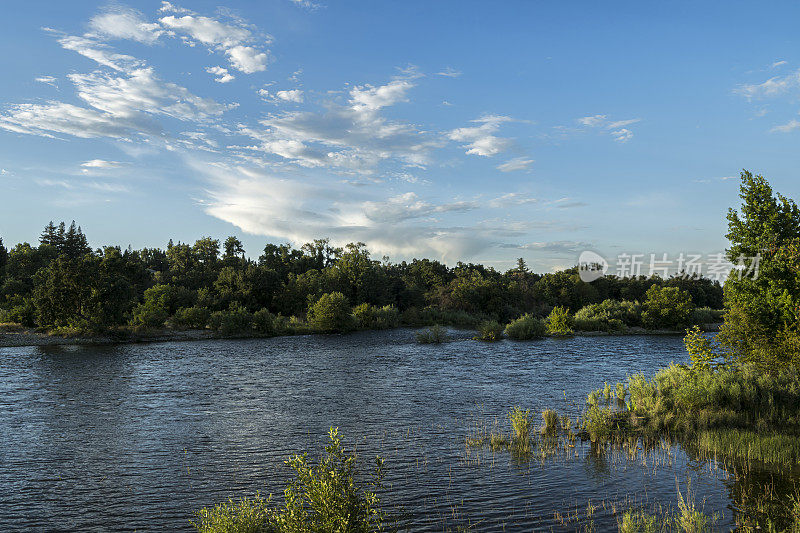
(138, 436)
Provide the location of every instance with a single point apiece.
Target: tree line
(63, 282)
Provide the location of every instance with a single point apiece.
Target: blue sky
(476, 131)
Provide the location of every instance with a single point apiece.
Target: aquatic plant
(435, 334)
(551, 420)
(521, 423)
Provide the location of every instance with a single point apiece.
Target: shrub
(235, 321)
(372, 317)
(331, 314)
(322, 497)
(435, 334)
(489, 330)
(526, 327)
(264, 322)
(667, 307)
(559, 322)
(191, 317)
(608, 315)
(429, 316)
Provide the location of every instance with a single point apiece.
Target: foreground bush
(323, 497)
(265, 323)
(526, 327)
(608, 315)
(331, 314)
(430, 316)
(369, 316)
(191, 318)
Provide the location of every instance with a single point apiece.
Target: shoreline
(26, 337)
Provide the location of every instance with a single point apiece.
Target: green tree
(667, 307)
(331, 314)
(763, 311)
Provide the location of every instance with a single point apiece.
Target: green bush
(667, 308)
(489, 330)
(526, 327)
(325, 496)
(435, 334)
(235, 321)
(264, 322)
(331, 314)
(191, 317)
(559, 321)
(429, 316)
(608, 315)
(372, 317)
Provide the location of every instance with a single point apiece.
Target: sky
(456, 130)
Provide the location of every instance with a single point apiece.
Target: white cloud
(100, 53)
(777, 64)
(167, 7)
(368, 98)
(100, 163)
(615, 128)
(120, 22)
(480, 139)
(292, 95)
(142, 92)
(350, 138)
(558, 247)
(307, 4)
(409, 206)
(233, 40)
(49, 80)
(449, 72)
(772, 87)
(222, 75)
(788, 127)
(57, 117)
(623, 135)
(511, 199)
(518, 163)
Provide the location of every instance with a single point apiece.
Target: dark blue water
(137, 437)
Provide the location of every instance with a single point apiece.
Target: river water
(138, 436)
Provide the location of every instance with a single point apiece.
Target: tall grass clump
(521, 424)
(489, 330)
(551, 421)
(526, 327)
(323, 496)
(435, 334)
(559, 321)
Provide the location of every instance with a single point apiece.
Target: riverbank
(16, 336)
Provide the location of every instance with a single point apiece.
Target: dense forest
(63, 283)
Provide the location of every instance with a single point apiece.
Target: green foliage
(235, 321)
(763, 318)
(368, 316)
(160, 301)
(265, 323)
(608, 315)
(331, 314)
(191, 317)
(323, 497)
(248, 515)
(526, 327)
(666, 308)
(429, 316)
(551, 421)
(435, 334)
(489, 330)
(702, 315)
(559, 321)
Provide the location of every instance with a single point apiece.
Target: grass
(435, 334)
(750, 445)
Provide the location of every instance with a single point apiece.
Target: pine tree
(53, 236)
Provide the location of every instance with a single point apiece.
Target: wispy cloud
(481, 139)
